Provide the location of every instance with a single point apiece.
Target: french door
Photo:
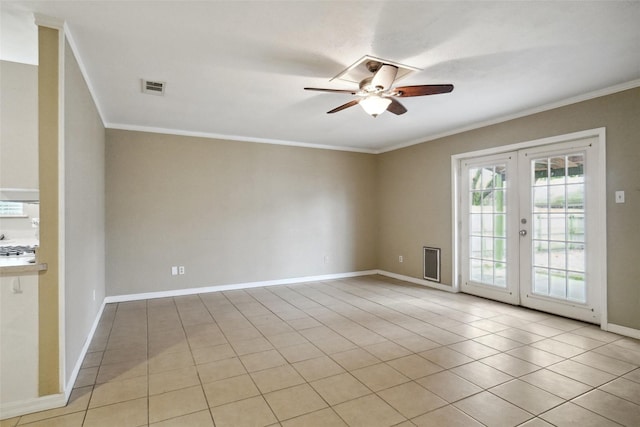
(490, 227)
(528, 222)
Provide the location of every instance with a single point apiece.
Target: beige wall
(18, 125)
(236, 212)
(48, 144)
(84, 193)
(414, 198)
(233, 212)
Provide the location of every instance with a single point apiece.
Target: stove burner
(17, 250)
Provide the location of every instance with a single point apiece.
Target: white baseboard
(76, 369)
(28, 406)
(235, 286)
(421, 282)
(623, 330)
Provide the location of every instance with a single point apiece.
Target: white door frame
(599, 210)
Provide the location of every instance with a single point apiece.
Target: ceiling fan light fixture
(375, 104)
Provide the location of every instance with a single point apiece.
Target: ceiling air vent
(153, 87)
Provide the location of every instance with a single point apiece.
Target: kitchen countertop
(12, 266)
(15, 270)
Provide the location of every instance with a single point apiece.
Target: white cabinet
(18, 338)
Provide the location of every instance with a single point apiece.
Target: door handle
(523, 232)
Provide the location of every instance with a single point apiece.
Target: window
(11, 209)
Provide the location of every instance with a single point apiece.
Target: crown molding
(181, 132)
(528, 112)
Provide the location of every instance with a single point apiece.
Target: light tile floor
(366, 351)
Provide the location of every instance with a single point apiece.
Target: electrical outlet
(181, 269)
(94, 294)
(400, 258)
(619, 196)
(174, 271)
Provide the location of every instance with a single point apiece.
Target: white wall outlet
(35, 222)
(94, 294)
(181, 269)
(174, 271)
(619, 196)
(400, 258)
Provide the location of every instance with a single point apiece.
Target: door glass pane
(575, 257)
(475, 224)
(475, 272)
(540, 253)
(499, 249)
(556, 197)
(541, 281)
(575, 168)
(577, 287)
(557, 170)
(558, 283)
(558, 255)
(499, 220)
(558, 231)
(541, 172)
(500, 201)
(487, 207)
(487, 248)
(487, 272)
(556, 226)
(500, 172)
(476, 247)
(575, 197)
(540, 199)
(540, 226)
(487, 224)
(500, 273)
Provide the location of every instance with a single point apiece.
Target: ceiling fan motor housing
(367, 86)
(373, 66)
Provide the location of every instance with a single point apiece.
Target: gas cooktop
(17, 250)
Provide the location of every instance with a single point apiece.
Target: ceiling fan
(376, 95)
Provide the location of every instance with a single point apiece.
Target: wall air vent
(153, 87)
(432, 264)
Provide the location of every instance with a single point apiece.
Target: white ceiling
(236, 69)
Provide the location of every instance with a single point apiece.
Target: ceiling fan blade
(352, 92)
(396, 108)
(384, 77)
(343, 106)
(421, 90)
